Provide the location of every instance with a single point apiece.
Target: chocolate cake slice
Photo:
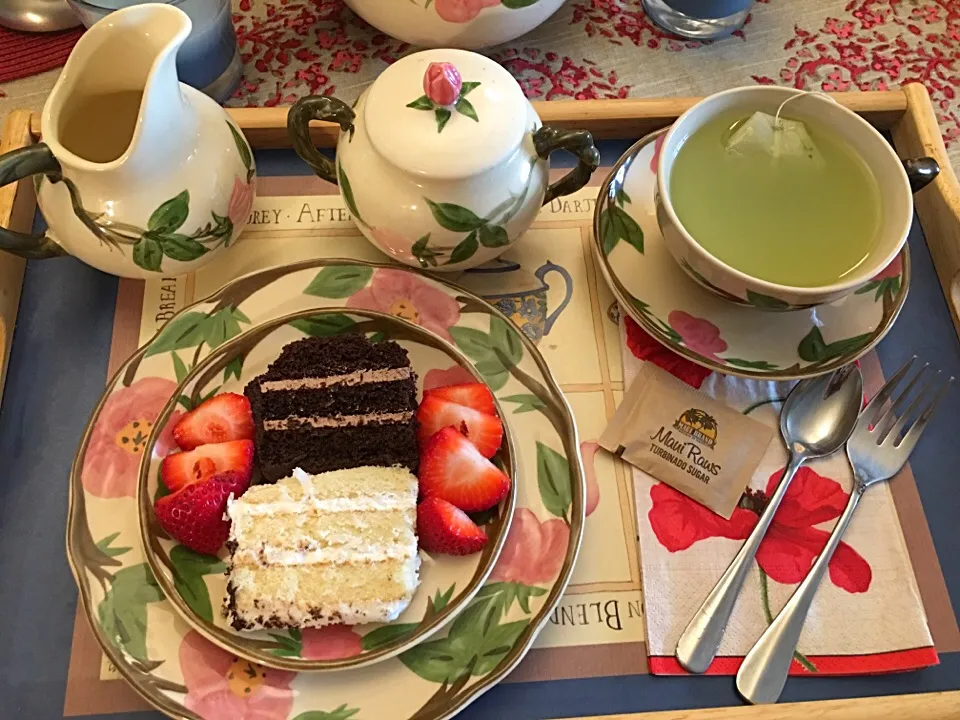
(334, 403)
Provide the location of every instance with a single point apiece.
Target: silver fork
(876, 455)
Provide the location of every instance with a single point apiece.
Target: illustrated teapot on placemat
(138, 175)
(519, 294)
(443, 161)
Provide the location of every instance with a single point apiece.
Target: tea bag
(775, 136)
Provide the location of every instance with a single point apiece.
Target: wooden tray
(907, 114)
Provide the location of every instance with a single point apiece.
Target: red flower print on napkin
(221, 686)
(412, 298)
(119, 438)
(333, 642)
(792, 543)
(462, 11)
(534, 551)
(646, 348)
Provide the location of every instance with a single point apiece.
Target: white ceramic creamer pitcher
(137, 175)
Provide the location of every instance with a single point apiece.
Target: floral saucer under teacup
(695, 323)
(196, 584)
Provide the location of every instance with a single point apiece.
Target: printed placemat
(550, 286)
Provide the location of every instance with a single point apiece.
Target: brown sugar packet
(686, 439)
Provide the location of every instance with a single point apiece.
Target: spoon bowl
(820, 414)
(817, 419)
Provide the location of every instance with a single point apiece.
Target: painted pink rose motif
(534, 551)
(333, 642)
(407, 296)
(588, 451)
(893, 270)
(455, 375)
(241, 202)
(442, 83)
(461, 11)
(221, 686)
(698, 334)
(392, 243)
(657, 149)
(119, 438)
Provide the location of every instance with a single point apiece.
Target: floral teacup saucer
(723, 336)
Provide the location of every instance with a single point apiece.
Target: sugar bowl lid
(445, 114)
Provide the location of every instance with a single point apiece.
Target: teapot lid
(445, 114)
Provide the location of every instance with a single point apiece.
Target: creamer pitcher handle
(17, 165)
(548, 140)
(317, 107)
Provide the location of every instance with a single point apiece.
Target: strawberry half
(484, 431)
(220, 419)
(444, 528)
(194, 514)
(186, 468)
(472, 395)
(452, 469)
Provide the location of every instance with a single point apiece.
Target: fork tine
(886, 421)
(869, 415)
(913, 433)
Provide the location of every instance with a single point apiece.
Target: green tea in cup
(781, 200)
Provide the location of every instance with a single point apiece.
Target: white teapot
(442, 162)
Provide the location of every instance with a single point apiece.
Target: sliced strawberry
(220, 419)
(445, 528)
(472, 395)
(451, 468)
(194, 514)
(484, 431)
(185, 468)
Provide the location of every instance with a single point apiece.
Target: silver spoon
(817, 418)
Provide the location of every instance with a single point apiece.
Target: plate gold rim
(232, 641)
(624, 298)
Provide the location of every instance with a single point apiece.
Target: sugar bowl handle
(17, 165)
(547, 140)
(921, 172)
(317, 107)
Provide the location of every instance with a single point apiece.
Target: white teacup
(897, 180)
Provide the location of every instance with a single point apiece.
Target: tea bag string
(776, 118)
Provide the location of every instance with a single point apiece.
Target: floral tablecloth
(610, 49)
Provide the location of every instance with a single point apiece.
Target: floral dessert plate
(175, 667)
(196, 584)
(695, 323)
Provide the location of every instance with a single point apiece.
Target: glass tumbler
(209, 60)
(699, 19)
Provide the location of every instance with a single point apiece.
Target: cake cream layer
(339, 547)
(338, 421)
(358, 377)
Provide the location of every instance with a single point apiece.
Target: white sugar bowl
(442, 162)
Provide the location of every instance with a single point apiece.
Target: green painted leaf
(170, 215)
(848, 345)
(347, 192)
(455, 218)
(440, 600)
(494, 354)
(869, 287)
(242, 147)
(497, 643)
(622, 197)
(616, 225)
(465, 107)
(340, 713)
(465, 250)
(104, 546)
(181, 247)
(148, 254)
(493, 236)
(425, 255)
(162, 489)
(505, 341)
(290, 644)
(324, 325)
(376, 337)
(179, 369)
(184, 331)
(468, 87)
(526, 403)
(233, 369)
(386, 635)
(435, 661)
(222, 326)
(752, 364)
(517, 4)
(123, 611)
(443, 117)
(812, 348)
(422, 103)
(553, 479)
(339, 281)
(766, 301)
(189, 568)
